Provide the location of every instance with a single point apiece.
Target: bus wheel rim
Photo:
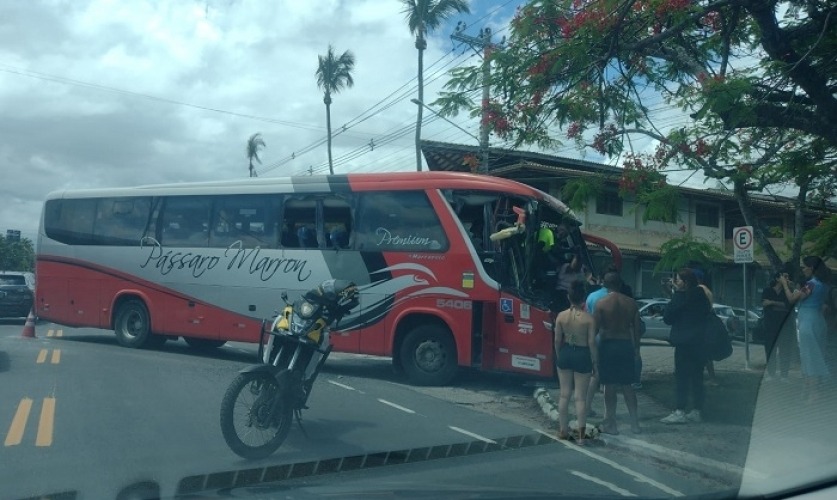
(134, 325)
(430, 356)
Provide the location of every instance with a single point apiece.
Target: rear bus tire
(428, 356)
(132, 325)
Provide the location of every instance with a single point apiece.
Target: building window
(609, 203)
(706, 215)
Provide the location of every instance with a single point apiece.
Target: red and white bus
(207, 261)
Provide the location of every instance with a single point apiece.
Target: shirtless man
(617, 319)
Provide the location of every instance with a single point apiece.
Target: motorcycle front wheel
(254, 423)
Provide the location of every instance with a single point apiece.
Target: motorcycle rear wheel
(249, 427)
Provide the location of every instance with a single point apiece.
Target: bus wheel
(204, 344)
(428, 355)
(133, 324)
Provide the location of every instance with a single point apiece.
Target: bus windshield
(529, 263)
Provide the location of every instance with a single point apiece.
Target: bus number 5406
(453, 304)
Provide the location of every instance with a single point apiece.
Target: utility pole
(481, 45)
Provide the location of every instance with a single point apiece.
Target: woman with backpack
(687, 314)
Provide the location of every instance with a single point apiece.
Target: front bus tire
(132, 326)
(249, 428)
(428, 356)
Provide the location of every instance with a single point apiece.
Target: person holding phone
(811, 325)
(687, 314)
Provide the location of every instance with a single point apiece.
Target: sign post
(742, 243)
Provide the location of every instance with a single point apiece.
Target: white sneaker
(676, 417)
(694, 416)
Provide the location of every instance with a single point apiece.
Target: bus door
(523, 341)
(524, 337)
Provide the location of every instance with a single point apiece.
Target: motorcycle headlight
(306, 309)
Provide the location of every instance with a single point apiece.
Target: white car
(651, 313)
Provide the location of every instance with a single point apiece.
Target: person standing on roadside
(811, 327)
(778, 329)
(590, 306)
(710, 365)
(577, 357)
(617, 319)
(687, 314)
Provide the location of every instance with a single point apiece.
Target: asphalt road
(81, 414)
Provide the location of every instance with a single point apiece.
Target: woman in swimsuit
(577, 357)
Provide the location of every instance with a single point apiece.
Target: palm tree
(254, 143)
(333, 75)
(424, 16)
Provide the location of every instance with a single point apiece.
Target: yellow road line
(46, 423)
(59, 333)
(50, 332)
(41, 356)
(15, 435)
(56, 356)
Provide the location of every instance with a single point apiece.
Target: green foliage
(334, 73)
(660, 204)
(679, 252)
(753, 83)
(17, 255)
(823, 238)
(577, 192)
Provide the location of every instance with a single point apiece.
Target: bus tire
(204, 344)
(428, 356)
(133, 325)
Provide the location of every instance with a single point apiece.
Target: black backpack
(718, 340)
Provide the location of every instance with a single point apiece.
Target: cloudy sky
(107, 93)
(114, 93)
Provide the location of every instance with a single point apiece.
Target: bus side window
(242, 218)
(337, 221)
(339, 238)
(299, 218)
(307, 237)
(186, 221)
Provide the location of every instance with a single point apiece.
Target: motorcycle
(260, 404)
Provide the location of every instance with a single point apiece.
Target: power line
(400, 94)
(105, 88)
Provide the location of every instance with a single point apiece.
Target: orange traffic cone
(29, 327)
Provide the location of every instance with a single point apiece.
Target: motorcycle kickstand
(298, 415)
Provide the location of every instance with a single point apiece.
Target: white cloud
(96, 93)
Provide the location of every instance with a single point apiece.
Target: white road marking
(471, 434)
(399, 407)
(642, 478)
(612, 487)
(344, 386)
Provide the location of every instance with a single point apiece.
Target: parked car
(17, 294)
(752, 321)
(651, 313)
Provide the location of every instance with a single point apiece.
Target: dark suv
(17, 294)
